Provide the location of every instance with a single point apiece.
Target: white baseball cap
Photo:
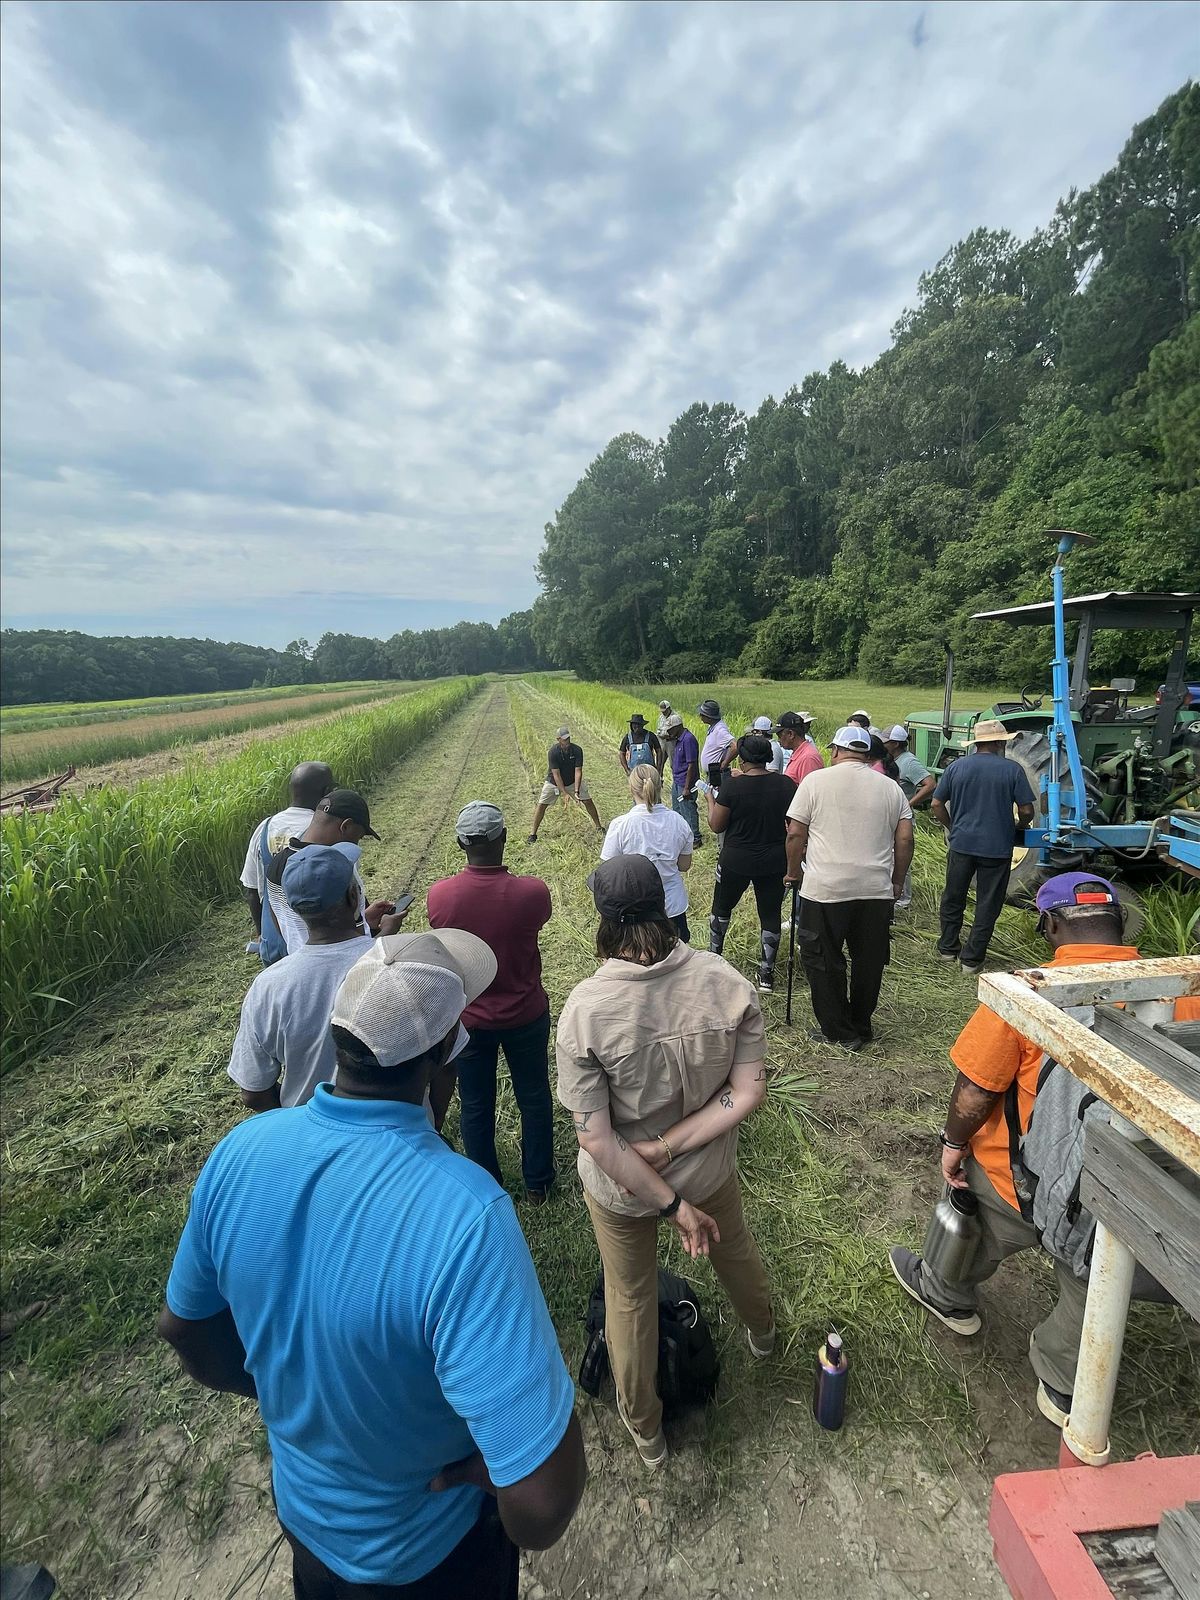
(852, 738)
(408, 991)
(861, 713)
(763, 724)
(897, 735)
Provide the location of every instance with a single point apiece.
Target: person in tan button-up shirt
(660, 1058)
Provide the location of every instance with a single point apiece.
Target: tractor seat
(1007, 708)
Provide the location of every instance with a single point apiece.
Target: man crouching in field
(391, 1327)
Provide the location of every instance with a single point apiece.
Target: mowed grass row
(89, 890)
(38, 754)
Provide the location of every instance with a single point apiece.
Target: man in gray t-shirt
(284, 1031)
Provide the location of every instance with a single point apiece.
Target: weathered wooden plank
(1185, 1033)
(1163, 1056)
(1177, 1549)
(1164, 979)
(1125, 1559)
(1162, 1111)
(1155, 1212)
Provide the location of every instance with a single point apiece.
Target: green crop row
(90, 890)
(61, 713)
(39, 753)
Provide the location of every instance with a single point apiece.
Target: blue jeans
(525, 1051)
(686, 809)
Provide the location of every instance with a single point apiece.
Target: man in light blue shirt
(374, 1292)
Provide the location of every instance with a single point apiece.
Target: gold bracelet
(666, 1147)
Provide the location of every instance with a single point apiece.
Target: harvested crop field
(127, 1480)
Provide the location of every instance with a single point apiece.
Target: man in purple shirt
(685, 769)
(513, 1013)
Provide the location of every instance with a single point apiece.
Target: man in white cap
(849, 846)
(666, 732)
(513, 1013)
(974, 801)
(388, 1320)
(766, 727)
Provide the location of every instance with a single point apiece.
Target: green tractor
(1107, 773)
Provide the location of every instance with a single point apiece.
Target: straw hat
(989, 731)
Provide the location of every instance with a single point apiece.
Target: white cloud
(367, 287)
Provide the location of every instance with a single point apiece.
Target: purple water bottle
(829, 1384)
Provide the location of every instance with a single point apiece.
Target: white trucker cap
(408, 991)
(852, 738)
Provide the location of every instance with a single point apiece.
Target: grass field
(58, 713)
(126, 1479)
(41, 752)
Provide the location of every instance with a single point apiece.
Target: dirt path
(132, 1482)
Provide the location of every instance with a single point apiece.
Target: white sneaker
(762, 1347)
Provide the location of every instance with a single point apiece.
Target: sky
(313, 314)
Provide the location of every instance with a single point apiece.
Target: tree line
(854, 525)
(57, 665)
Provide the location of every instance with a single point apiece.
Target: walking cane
(792, 948)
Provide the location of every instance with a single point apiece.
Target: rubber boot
(718, 927)
(769, 947)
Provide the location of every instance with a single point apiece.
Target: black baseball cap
(351, 807)
(791, 719)
(629, 889)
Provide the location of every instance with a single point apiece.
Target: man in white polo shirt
(849, 847)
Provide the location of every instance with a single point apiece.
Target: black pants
(681, 927)
(483, 1565)
(824, 935)
(991, 875)
(731, 885)
(525, 1050)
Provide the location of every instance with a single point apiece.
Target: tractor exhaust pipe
(947, 725)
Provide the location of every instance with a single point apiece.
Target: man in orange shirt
(1082, 920)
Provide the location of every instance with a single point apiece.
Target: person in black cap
(658, 1138)
(341, 818)
(640, 746)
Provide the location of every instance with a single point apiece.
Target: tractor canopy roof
(1115, 608)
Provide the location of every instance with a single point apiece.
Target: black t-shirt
(565, 760)
(754, 839)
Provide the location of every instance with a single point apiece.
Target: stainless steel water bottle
(829, 1383)
(953, 1235)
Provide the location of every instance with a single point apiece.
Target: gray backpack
(1047, 1159)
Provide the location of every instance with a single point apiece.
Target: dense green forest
(855, 524)
(54, 665)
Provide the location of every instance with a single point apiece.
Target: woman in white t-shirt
(650, 829)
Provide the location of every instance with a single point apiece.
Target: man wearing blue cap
(1081, 918)
(283, 1047)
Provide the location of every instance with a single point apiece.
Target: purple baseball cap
(1076, 889)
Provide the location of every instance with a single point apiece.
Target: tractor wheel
(1032, 750)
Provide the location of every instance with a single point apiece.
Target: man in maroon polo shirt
(513, 1013)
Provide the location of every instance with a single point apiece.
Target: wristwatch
(670, 1210)
(951, 1144)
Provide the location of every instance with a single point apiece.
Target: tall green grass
(64, 713)
(39, 752)
(90, 890)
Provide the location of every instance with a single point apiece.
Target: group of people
(390, 1322)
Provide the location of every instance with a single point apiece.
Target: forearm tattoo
(581, 1120)
(727, 1099)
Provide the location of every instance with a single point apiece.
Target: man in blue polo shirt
(374, 1292)
(979, 798)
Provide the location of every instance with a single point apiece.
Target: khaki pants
(628, 1249)
(1054, 1345)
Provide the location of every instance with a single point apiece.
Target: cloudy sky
(313, 314)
